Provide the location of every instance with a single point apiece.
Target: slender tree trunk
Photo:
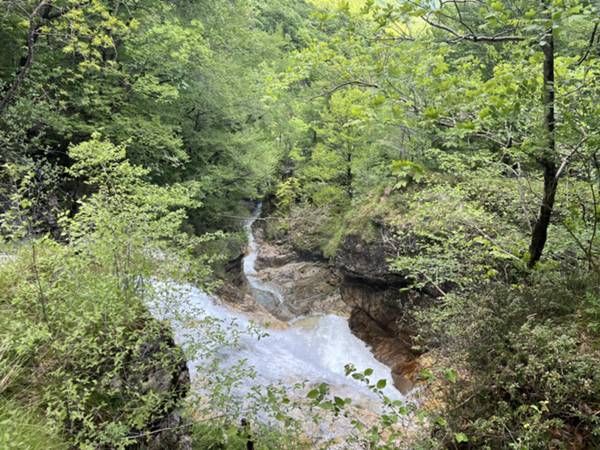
(349, 175)
(548, 160)
(33, 33)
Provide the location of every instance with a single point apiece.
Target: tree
(505, 25)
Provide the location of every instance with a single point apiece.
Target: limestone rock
(309, 287)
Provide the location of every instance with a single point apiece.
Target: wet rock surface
(357, 285)
(393, 350)
(309, 287)
(382, 312)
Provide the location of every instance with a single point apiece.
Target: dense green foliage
(427, 126)
(180, 84)
(533, 371)
(73, 316)
(463, 134)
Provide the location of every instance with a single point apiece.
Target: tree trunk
(349, 175)
(548, 160)
(41, 10)
(540, 229)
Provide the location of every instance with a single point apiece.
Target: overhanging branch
(474, 37)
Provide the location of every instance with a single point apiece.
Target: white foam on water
(249, 261)
(314, 349)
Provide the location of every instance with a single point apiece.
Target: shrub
(532, 366)
(91, 361)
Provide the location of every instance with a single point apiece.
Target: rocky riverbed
(356, 285)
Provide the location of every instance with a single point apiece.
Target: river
(306, 351)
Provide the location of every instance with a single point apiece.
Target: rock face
(175, 435)
(309, 287)
(368, 261)
(381, 313)
(358, 285)
(381, 317)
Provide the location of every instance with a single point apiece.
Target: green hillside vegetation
(465, 135)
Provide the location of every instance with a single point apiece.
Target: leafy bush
(445, 238)
(532, 366)
(310, 228)
(23, 428)
(74, 316)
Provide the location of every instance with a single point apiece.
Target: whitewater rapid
(310, 350)
(313, 349)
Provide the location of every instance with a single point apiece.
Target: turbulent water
(312, 349)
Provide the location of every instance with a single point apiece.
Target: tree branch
(590, 45)
(567, 158)
(474, 37)
(342, 85)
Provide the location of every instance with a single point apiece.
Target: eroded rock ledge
(309, 286)
(358, 284)
(382, 318)
(382, 312)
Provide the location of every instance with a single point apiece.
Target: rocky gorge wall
(382, 311)
(358, 284)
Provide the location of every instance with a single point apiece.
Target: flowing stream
(313, 349)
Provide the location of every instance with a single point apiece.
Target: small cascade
(309, 350)
(266, 294)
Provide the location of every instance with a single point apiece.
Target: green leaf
(313, 394)
(461, 438)
(327, 405)
(378, 100)
(441, 421)
(451, 375)
(427, 375)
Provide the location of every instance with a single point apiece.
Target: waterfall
(266, 294)
(313, 349)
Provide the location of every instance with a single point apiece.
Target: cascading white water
(311, 349)
(266, 294)
(314, 349)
